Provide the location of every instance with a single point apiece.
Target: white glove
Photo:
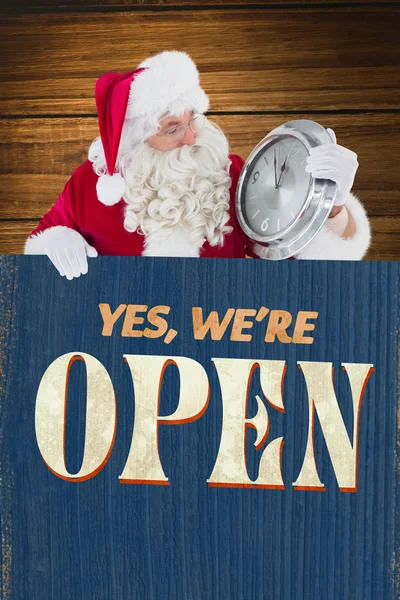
(334, 162)
(68, 251)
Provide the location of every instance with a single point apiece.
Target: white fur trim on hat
(110, 188)
(328, 246)
(170, 76)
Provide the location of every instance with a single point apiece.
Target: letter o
(100, 416)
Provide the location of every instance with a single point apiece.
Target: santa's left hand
(334, 162)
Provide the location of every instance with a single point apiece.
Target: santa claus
(160, 181)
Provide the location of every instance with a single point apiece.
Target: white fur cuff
(328, 246)
(36, 244)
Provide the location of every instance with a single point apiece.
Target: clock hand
(283, 167)
(276, 183)
(282, 170)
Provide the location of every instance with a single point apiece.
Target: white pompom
(110, 188)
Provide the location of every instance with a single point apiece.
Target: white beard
(180, 198)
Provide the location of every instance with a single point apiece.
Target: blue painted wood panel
(99, 539)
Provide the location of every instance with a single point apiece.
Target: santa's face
(175, 131)
(180, 198)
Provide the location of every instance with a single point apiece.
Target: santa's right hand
(68, 251)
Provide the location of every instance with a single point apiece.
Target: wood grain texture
(7, 372)
(281, 89)
(261, 60)
(165, 4)
(38, 155)
(385, 238)
(100, 540)
(262, 65)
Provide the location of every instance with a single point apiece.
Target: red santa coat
(102, 226)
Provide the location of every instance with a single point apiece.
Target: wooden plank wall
(261, 65)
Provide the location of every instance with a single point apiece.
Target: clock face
(276, 186)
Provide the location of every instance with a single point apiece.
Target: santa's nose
(188, 138)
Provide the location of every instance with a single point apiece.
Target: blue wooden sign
(198, 429)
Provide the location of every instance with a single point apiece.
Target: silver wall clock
(280, 206)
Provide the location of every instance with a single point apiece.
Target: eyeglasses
(177, 133)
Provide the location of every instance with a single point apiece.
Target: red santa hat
(163, 83)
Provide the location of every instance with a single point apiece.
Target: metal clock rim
(317, 187)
